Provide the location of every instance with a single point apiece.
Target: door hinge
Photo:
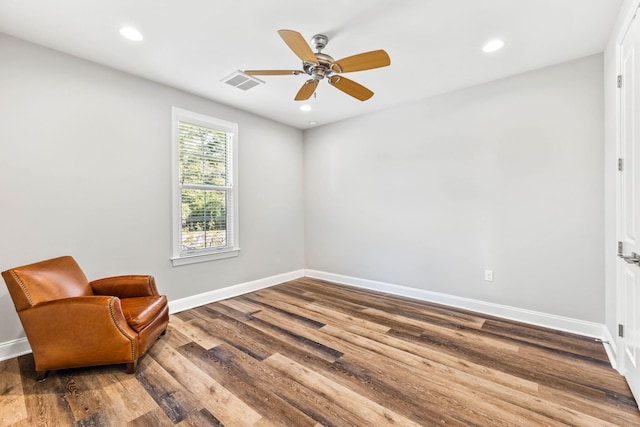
(621, 331)
(620, 248)
(619, 81)
(620, 164)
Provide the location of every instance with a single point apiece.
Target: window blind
(206, 187)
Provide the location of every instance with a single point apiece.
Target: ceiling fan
(320, 65)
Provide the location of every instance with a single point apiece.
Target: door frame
(634, 9)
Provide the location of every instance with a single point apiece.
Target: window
(204, 188)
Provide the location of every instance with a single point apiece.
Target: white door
(628, 208)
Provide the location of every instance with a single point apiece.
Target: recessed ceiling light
(131, 33)
(313, 123)
(306, 107)
(492, 46)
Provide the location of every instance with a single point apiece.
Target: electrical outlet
(488, 275)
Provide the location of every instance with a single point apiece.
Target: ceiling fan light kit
(319, 65)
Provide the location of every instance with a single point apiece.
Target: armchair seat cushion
(140, 312)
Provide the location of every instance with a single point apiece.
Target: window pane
(203, 155)
(204, 219)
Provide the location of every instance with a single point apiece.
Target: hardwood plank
(207, 313)
(43, 404)
(154, 418)
(195, 330)
(387, 344)
(240, 305)
(246, 378)
(124, 395)
(469, 335)
(331, 414)
(373, 413)
(369, 358)
(304, 344)
(202, 418)
(371, 386)
(546, 338)
(493, 399)
(217, 400)
(11, 395)
(242, 336)
(624, 415)
(315, 311)
(533, 364)
(330, 293)
(83, 395)
(311, 353)
(170, 396)
(174, 338)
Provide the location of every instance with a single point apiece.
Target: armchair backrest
(45, 281)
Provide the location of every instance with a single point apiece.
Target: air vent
(242, 81)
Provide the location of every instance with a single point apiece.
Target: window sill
(210, 256)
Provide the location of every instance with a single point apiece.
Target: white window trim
(178, 258)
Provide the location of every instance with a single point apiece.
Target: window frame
(207, 254)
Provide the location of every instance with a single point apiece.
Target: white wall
(85, 171)
(505, 176)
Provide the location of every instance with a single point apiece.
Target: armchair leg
(131, 367)
(41, 375)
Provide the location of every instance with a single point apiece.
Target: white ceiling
(434, 45)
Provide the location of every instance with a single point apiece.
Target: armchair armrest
(125, 286)
(79, 331)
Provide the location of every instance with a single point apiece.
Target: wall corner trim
(552, 321)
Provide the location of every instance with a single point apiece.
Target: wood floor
(310, 353)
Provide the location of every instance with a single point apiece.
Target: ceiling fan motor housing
(324, 68)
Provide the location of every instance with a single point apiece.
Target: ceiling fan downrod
(319, 41)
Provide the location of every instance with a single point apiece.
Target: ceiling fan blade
(350, 87)
(364, 61)
(273, 72)
(307, 90)
(298, 45)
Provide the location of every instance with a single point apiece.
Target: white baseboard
(18, 347)
(14, 348)
(231, 291)
(566, 324)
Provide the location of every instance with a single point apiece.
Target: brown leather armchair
(71, 322)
